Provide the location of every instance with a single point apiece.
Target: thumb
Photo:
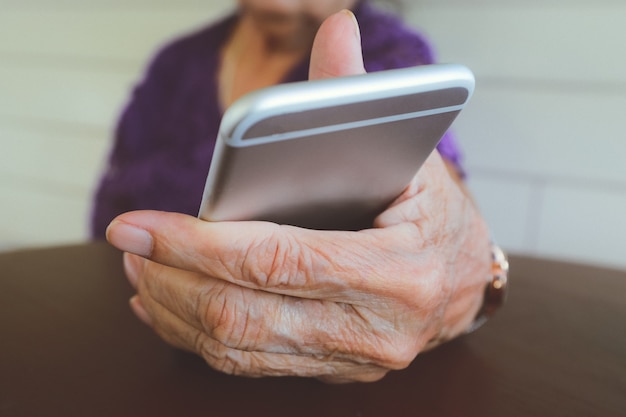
(337, 48)
(260, 255)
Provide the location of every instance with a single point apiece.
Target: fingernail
(131, 267)
(129, 238)
(357, 30)
(139, 310)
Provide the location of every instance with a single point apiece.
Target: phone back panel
(334, 165)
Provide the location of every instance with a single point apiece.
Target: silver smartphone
(332, 153)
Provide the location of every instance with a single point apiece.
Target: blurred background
(543, 138)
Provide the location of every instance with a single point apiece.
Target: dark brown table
(69, 346)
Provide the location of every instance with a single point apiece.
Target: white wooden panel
(583, 42)
(587, 225)
(508, 208)
(577, 136)
(91, 98)
(76, 35)
(70, 158)
(34, 216)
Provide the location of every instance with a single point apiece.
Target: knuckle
(234, 362)
(390, 352)
(353, 373)
(278, 261)
(384, 349)
(429, 283)
(226, 317)
(371, 376)
(400, 354)
(220, 358)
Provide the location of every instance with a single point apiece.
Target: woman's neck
(253, 59)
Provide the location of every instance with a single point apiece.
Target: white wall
(542, 136)
(66, 67)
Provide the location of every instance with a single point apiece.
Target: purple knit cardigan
(165, 137)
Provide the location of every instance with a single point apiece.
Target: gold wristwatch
(496, 288)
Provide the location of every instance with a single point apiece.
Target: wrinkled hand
(257, 299)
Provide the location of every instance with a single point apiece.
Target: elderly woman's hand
(256, 298)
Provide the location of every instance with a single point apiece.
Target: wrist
(483, 293)
(495, 289)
